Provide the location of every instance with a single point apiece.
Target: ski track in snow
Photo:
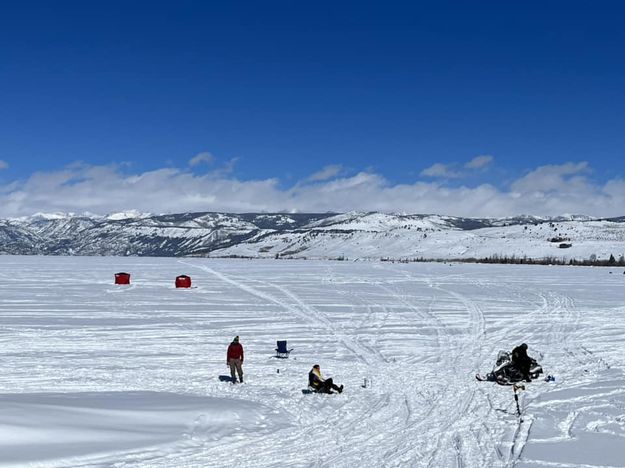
(417, 332)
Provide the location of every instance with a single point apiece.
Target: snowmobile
(505, 373)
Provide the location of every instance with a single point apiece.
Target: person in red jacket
(234, 359)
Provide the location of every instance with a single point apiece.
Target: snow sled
(310, 390)
(505, 373)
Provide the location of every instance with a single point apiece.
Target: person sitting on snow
(319, 384)
(522, 361)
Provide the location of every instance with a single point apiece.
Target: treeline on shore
(495, 258)
(514, 260)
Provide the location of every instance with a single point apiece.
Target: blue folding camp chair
(281, 350)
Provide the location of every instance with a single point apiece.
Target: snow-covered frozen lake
(95, 374)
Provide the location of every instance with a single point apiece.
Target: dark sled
(309, 390)
(225, 378)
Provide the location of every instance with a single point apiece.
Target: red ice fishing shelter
(122, 278)
(183, 281)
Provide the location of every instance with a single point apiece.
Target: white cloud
(442, 171)
(547, 190)
(3, 164)
(200, 158)
(615, 188)
(562, 178)
(228, 167)
(454, 171)
(479, 162)
(328, 172)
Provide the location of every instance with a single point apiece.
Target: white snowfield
(98, 375)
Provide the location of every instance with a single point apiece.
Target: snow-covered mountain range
(329, 235)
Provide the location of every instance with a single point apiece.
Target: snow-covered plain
(95, 374)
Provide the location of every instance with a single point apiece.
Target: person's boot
(341, 389)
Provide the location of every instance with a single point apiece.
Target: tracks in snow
(422, 417)
(305, 312)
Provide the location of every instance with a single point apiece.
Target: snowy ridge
(354, 235)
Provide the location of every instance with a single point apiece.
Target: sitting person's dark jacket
(314, 379)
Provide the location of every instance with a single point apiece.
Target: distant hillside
(316, 236)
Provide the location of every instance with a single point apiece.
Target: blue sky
(451, 99)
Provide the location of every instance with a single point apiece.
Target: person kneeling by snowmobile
(522, 361)
(319, 384)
